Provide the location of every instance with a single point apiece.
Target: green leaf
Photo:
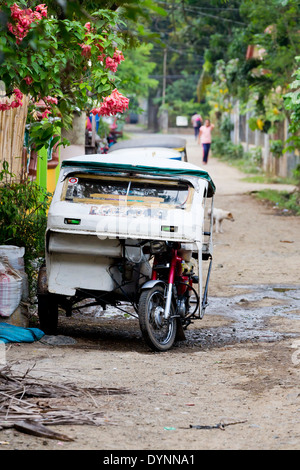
(54, 141)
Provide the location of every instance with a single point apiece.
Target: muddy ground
(239, 365)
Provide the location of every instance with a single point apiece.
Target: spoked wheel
(158, 333)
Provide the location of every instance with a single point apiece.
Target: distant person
(205, 138)
(196, 121)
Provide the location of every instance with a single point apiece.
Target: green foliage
(50, 62)
(255, 155)
(192, 30)
(282, 199)
(226, 127)
(204, 80)
(272, 28)
(296, 174)
(226, 150)
(103, 129)
(41, 132)
(23, 216)
(134, 72)
(276, 148)
(183, 89)
(181, 99)
(292, 104)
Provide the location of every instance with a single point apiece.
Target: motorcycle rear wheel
(157, 332)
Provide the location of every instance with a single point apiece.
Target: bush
(226, 150)
(282, 199)
(23, 216)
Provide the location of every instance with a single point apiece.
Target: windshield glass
(124, 191)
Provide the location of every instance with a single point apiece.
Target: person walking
(196, 121)
(205, 138)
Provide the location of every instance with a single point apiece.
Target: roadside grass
(247, 166)
(249, 163)
(262, 178)
(287, 202)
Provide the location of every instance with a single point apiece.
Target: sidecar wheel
(157, 332)
(48, 313)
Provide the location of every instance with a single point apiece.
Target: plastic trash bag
(14, 255)
(18, 334)
(11, 288)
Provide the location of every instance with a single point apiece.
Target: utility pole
(164, 77)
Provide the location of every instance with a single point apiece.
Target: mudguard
(152, 283)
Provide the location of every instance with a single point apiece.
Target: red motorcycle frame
(165, 306)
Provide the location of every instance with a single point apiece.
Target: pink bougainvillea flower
(86, 50)
(16, 104)
(45, 113)
(28, 80)
(5, 106)
(51, 99)
(42, 9)
(18, 94)
(112, 63)
(101, 57)
(118, 56)
(22, 20)
(112, 104)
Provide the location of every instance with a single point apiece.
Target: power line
(180, 51)
(174, 76)
(204, 8)
(198, 9)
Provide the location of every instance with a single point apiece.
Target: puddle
(248, 315)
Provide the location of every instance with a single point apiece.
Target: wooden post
(12, 128)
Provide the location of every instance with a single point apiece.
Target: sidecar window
(100, 190)
(161, 193)
(82, 188)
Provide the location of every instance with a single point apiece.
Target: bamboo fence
(12, 129)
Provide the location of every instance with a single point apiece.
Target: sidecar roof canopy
(156, 141)
(133, 160)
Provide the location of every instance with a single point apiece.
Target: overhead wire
(198, 9)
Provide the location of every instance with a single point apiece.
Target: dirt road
(239, 366)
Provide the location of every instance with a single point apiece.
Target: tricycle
(178, 144)
(122, 230)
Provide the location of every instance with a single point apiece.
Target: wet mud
(246, 317)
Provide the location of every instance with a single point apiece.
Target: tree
(134, 73)
(263, 76)
(292, 104)
(192, 33)
(73, 67)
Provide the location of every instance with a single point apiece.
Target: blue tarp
(17, 334)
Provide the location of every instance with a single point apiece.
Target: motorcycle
(124, 230)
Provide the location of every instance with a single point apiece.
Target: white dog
(218, 216)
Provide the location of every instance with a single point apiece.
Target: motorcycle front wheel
(157, 332)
